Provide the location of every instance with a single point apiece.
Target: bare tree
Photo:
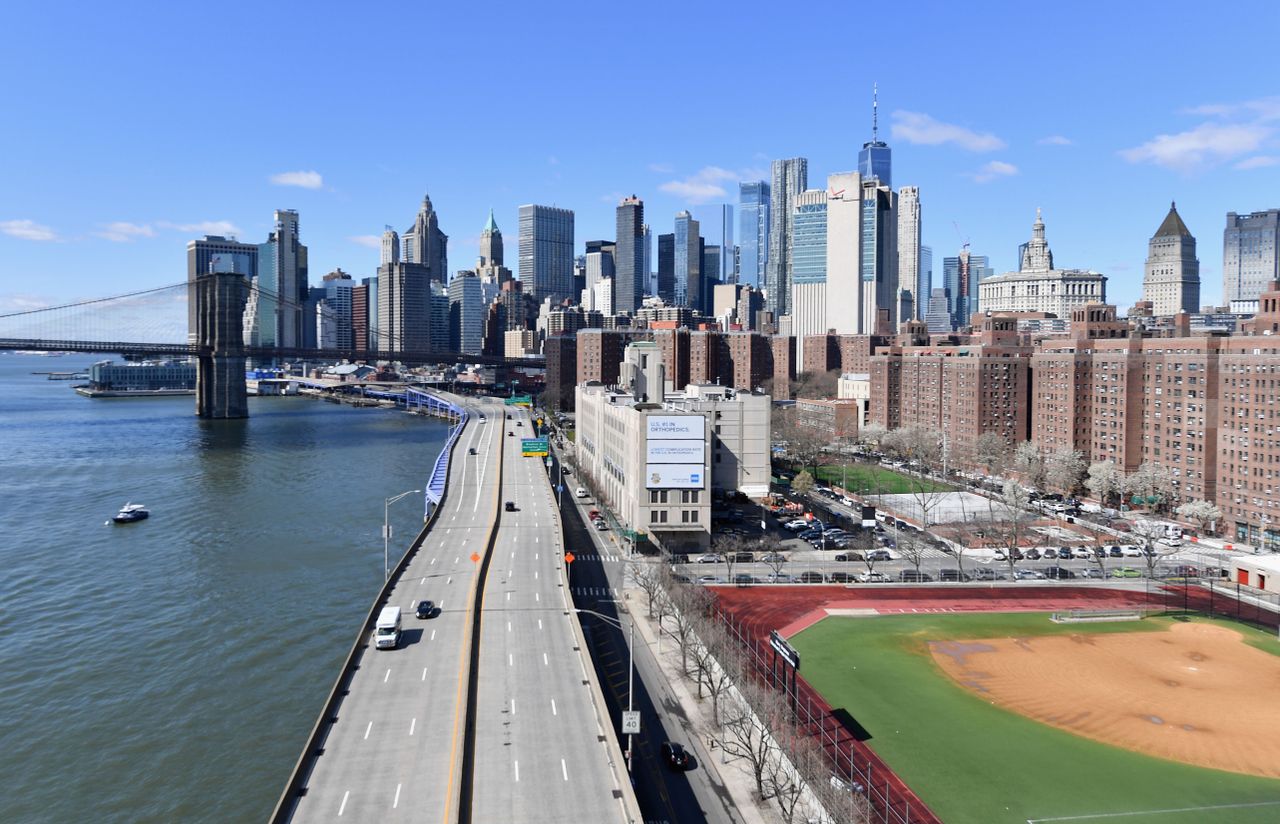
(786, 784)
(912, 547)
(1029, 463)
(745, 736)
(1010, 525)
(1203, 513)
(1147, 535)
(1106, 481)
(647, 576)
(775, 560)
(689, 603)
(728, 547)
(718, 663)
(991, 453)
(1065, 470)
(1152, 483)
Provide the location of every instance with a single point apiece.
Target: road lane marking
(508, 626)
(511, 662)
(545, 663)
(539, 623)
(535, 575)
(517, 765)
(537, 597)
(553, 707)
(508, 595)
(457, 558)
(396, 802)
(564, 770)
(424, 673)
(423, 581)
(388, 675)
(413, 724)
(433, 560)
(535, 556)
(513, 706)
(343, 805)
(366, 731)
(450, 580)
(535, 539)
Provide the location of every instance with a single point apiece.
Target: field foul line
(1154, 812)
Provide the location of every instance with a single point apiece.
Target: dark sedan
(674, 756)
(426, 609)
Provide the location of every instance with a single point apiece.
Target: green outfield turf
(877, 480)
(971, 761)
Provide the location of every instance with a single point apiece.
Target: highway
(393, 753)
(543, 753)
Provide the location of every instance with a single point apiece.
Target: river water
(170, 670)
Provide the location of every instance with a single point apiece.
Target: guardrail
(292, 791)
(440, 472)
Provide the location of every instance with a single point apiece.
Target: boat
(130, 513)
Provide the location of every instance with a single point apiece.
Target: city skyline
(82, 210)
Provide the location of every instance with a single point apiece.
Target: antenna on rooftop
(875, 112)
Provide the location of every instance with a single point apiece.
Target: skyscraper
(667, 268)
(599, 261)
(726, 272)
(489, 267)
(467, 309)
(404, 317)
(790, 178)
(909, 248)
(875, 159)
(1172, 277)
(424, 243)
(216, 253)
(338, 286)
(650, 285)
(809, 267)
(1250, 254)
(924, 282)
(753, 232)
(844, 262)
(282, 281)
(546, 252)
(878, 246)
(628, 259)
(688, 262)
(960, 278)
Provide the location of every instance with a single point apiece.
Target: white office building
(1038, 287)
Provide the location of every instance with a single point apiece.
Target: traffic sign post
(630, 722)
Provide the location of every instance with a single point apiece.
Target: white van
(387, 632)
(580, 492)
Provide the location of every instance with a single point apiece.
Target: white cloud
(123, 232)
(27, 230)
(371, 241)
(920, 128)
(304, 180)
(662, 168)
(1054, 140)
(994, 169)
(1262, 110)
(1207, 143)
(207, 227)
(23, 303)
(1258, 162)
(702, 186)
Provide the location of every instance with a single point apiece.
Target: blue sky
(133, 128)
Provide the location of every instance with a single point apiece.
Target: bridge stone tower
(220, 384)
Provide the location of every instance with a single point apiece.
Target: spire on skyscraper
(875, 112)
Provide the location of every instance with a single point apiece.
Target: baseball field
(1008, 717)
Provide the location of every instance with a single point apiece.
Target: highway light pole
(386, 531)
(631, 659)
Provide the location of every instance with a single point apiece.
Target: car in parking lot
(873, 578)
(812, 578)
(710, 579)
(798, 525)
(914, 576)
(848, 556)
(809, 534)
(842, 577)
(1131, 552)
(1032, 554)
(879, 555)
(779, 578)
(1115, 552)
(1025, 574)
(1125, 572)
(425, 608)
(1092, 572)
(674, 756)
(987, 574)
(742, 557)
(953, 575)
(773, 558)
(1082, 553)
(744, 578)
(1058, 573)
(708, 558)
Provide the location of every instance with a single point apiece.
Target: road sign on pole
(630, 722)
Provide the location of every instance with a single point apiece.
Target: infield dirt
(1196, 693)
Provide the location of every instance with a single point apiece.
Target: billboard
(676, 427)
(675, 476)
(674, 452)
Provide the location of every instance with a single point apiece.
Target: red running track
(756, 611)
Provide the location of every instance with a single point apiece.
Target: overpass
(485, 712)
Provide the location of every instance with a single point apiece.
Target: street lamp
(386, 531)
(631, 657)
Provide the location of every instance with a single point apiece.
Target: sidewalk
(695, 715)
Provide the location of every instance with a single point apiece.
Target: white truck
(387, 630)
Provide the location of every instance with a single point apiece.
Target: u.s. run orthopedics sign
(676, 427)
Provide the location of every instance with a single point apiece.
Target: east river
(170, 670)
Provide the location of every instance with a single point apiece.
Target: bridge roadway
(395, 752)
(545, 750)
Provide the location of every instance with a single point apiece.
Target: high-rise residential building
(790, 178)
(425, 244)
(1172, 274)
(711, 265)
(688, 262)
(216, 253)
(753, 232)
(667, 268)
(282, 282)
(650, 285)
(1250, 254)
(726, 273)
(844, 261)
(438, 310)
(1038, 287)
(360, 315)
(875, 159)
(546, 252)
(909, 262)
(924, 281)
(390, 246)
(467, 309)
(599, 261)
(489, 267)
(960, 278)
(808, 267)
(404, 308)
(629, 265)
(878, 253)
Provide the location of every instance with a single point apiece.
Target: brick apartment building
(562, 371)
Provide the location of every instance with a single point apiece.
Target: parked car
(849, 556)
(602, 526)
(914, 576)
(1017, 554)
(744, 578)
(873, 578)
(1092, 572)
(1025, 574)
(773, 558)
(798, 525)
(809, 534)
(1131, 552)
(710, 579)
(1082, 553)
(1125, 572)
(842, 577)
(953, 575)
(593, 514)
(879, 555)
(779, 578)
(1058, 573)
(708, 558)
(743, 557)
(812, 578)
(1032, 554)
(987, 574)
